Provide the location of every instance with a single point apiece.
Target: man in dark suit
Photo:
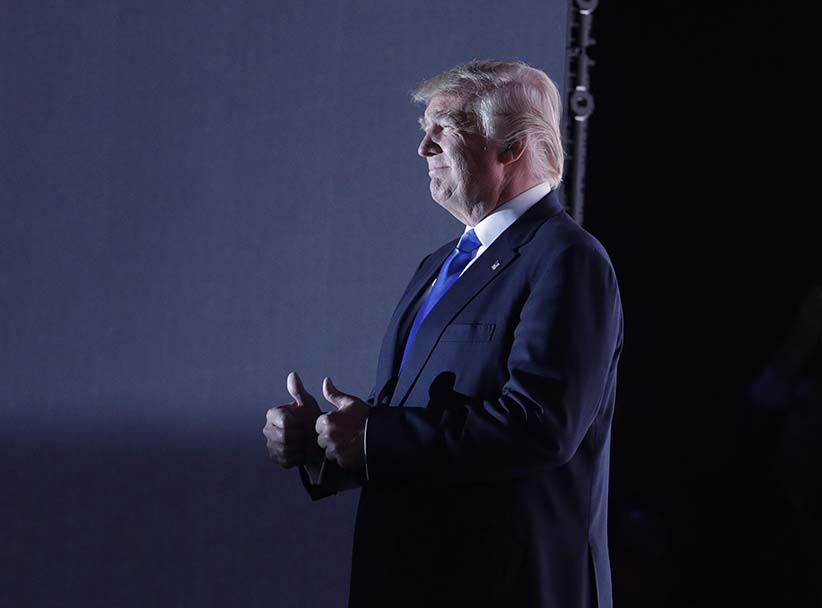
(482, 453)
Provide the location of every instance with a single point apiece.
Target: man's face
(466, 177)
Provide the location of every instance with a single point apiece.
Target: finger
(334, 395)
(332, 423)
(331, 452)
(296, 388)
(278, 415)
(342, 461)
(288, 436)
(321, 425)
(286, 457)
(339, 436)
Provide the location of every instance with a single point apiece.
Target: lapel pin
(495, 265)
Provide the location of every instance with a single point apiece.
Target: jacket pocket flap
(468, 332)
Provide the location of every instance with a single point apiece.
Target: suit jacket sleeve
(564, 352)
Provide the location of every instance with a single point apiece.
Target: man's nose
(428, 147)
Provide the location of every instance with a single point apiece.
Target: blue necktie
(450, 271)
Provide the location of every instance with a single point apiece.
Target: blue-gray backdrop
(198, 198)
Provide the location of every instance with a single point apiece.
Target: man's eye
(439, 128)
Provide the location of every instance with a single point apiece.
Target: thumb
(296, 389)
(334, 395)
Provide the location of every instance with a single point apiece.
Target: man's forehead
(445, 108)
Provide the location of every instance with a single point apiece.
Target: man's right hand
(289, 429)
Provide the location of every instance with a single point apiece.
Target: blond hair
(510, 102)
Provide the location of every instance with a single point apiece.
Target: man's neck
(512, 189)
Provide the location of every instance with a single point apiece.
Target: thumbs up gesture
(289, 429)
(340, 432)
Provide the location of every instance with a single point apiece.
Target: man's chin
(439, 197)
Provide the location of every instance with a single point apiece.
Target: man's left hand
(341, 431)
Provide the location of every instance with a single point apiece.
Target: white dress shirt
(487, 231)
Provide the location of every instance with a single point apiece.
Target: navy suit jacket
(488, 455)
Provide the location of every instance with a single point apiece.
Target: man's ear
(512, 152)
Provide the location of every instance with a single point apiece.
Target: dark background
(701, 185)
(197, 200)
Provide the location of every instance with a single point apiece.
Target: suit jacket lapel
(389, 355)
(491, 264)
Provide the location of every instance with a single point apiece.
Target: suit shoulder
(562, 250)
(561, 236)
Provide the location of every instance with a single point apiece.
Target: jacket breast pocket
(468, 332)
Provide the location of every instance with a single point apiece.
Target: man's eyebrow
(442, 116)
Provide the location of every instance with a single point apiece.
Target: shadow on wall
(139, 522)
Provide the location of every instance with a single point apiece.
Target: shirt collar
(495, 223)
